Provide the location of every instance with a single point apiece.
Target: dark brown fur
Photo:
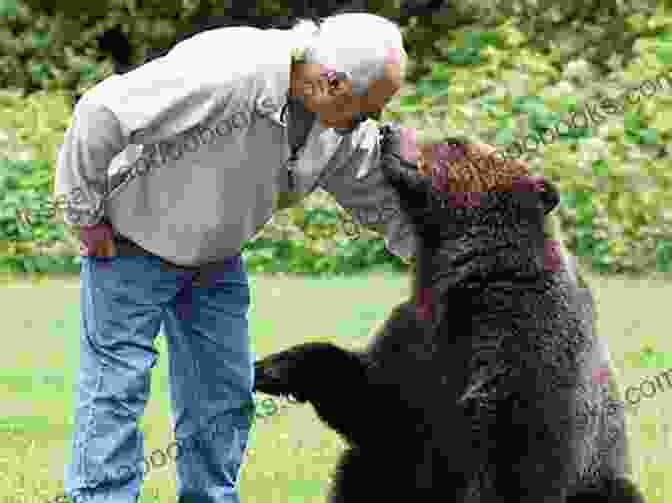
(480, 388)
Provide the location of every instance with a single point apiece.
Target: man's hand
(96, 241)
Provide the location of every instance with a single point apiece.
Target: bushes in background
(50, 44)
(497, 79)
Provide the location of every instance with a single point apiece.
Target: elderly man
(205, 144)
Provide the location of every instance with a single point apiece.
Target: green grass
(291, 454)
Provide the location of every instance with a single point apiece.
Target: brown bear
(480, 388)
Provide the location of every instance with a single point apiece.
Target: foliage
(24, 190)
(52, 45)
(485, 81)
(615, 181)
(349, 257)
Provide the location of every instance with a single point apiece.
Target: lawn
(291, 454)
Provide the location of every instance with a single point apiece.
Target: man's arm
(90, 143)
(92, 140)
(360, 186)
(155, 102)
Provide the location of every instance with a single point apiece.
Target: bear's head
(476, 217)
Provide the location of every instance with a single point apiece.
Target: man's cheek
(308, 90)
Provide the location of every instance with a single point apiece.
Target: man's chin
(324, 121)
(346, 124)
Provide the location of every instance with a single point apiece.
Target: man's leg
(211, 380)
(122, 301)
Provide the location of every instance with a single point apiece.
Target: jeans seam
(90, 428)
(87, 434)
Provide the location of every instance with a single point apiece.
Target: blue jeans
(124, 299)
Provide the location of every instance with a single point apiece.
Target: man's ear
(550, 197)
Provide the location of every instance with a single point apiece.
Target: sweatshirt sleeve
(93, 139)
(163, 99)
(359, 185)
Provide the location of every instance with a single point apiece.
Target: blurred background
(494, 71)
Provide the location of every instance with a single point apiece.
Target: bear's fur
(480, 388)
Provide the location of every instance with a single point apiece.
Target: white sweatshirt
(185, 155)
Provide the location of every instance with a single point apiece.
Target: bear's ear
(536, 191)
(550, 197)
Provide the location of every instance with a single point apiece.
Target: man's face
(330, 95)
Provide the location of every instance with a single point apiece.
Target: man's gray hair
(358, 44)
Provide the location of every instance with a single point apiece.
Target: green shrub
(494, 82)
